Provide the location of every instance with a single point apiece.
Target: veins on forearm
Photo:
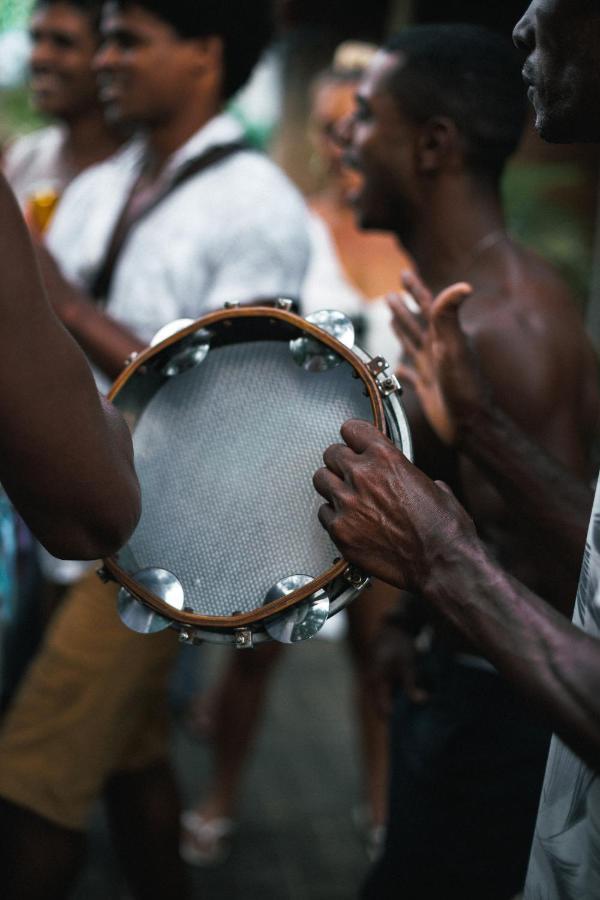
(544, 656)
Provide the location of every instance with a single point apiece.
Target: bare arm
(550, 661)
(389, 519)
(457, 401)
(65, 455)
(107, 343)
(555, 500)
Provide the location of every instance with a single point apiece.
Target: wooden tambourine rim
(225, 623)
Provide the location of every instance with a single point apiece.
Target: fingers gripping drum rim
(230, 417)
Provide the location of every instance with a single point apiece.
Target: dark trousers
(467, 772)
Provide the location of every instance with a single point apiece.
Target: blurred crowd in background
(292, 108)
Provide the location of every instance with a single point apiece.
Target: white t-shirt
(327, 287)
(233, 232)
(35, 162)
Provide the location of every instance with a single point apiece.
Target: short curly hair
(90, 8)
(472, 76)
(245, 27)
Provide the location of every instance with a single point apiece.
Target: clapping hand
(437, 362)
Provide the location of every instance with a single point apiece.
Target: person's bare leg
(39, 860)
(143, 811)
(364, 619)
(235, 707)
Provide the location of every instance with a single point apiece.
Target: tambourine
(230, 416)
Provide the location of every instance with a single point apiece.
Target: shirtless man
(388, 517)
(438, 112)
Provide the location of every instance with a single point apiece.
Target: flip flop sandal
(205, 842)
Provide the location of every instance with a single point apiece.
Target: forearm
(105, 342)
(551, 662)
(65, 459)
(547, 494)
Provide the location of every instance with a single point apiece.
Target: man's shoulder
(530, 294)
(101, 180)
(33, 157)
(42, 140)
(249, 175)
(529, 335)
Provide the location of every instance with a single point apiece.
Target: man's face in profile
(380, 141)
(562, 69)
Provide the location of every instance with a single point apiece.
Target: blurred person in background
(438, 114)
(64, 36)
(180, 220)
(351, 269)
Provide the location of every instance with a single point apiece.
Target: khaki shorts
(93, 702)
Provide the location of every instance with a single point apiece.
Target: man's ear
(208, 52)
(440, 145)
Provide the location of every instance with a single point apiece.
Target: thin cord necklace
(483, 245)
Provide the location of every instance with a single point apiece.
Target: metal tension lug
(131, 358)
(355, 577)
(189, 637)
(104, 575)
(377, 365)
(389, 385)
(284, 303)
(231, 304)
(242, 639)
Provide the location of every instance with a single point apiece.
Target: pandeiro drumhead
(230, 417)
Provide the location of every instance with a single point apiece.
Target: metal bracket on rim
(104, 575)
(194, 350)
(386, 381)
(192, 637)
(242, 639)
(356, 578)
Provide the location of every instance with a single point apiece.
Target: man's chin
(48, 105)
(115, 114)
(567, 129)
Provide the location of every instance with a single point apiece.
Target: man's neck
(89, 140)
(165, 138)
(458, 228)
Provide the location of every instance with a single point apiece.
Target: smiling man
(387, 516)
(64, 38)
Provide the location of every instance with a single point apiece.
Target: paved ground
(296, 839)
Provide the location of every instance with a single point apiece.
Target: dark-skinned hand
(384, 514)
(437, 360)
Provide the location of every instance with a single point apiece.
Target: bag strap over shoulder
(100, 285)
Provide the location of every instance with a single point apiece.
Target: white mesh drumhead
(225, 453)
